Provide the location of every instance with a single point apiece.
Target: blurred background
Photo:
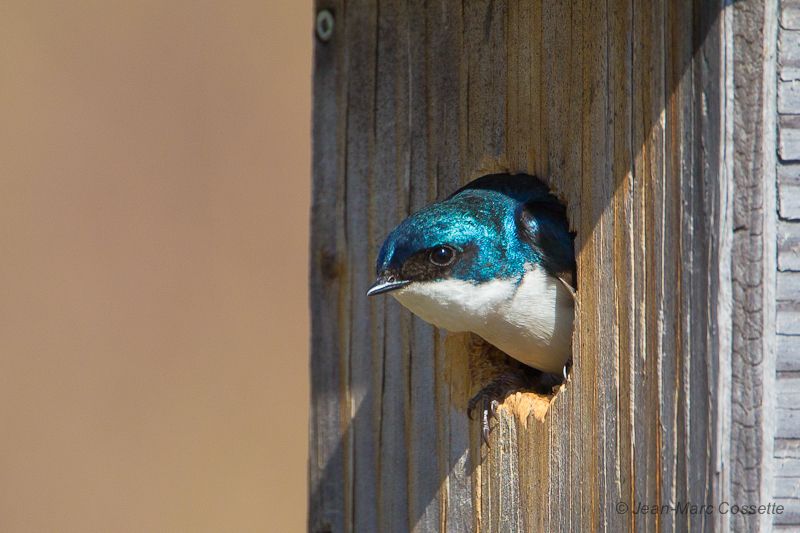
(154, 198)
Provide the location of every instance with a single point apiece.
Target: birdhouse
(656, 124)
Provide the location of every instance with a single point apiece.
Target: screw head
(324, 25)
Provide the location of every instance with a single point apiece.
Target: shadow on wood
(619, 107)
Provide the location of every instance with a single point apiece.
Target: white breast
(530, 320)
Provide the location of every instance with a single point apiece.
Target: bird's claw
(489, 413)
(493, 406)
(489, 407)
(501, 387)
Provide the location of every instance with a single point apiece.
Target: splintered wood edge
(483, 360)
(524, 404)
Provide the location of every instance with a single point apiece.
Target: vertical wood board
(619, 107)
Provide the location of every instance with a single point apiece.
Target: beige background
(154, 184)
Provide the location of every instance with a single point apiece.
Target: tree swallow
(495, 258)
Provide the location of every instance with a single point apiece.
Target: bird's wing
(543, 225)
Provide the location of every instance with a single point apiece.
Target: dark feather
(543, 224)
(541, 220)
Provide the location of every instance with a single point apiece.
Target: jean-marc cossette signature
(689, 508)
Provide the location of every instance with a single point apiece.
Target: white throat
(529, 319)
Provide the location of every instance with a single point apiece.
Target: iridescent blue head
(496, 227)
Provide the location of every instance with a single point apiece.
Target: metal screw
(324, 25)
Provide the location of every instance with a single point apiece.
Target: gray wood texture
(788, 96)
(787, 473)
(790, 14)
(788, 348)
(789, 245)
(789, 132)
(788, 316)
(789, 55)
(789, 190)
(786, 468)
(628, 110)
(753, 358)
(789, 286)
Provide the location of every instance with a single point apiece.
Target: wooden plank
(524, 85)
(788, 425)
(561, 92)
(788, 466)
(603, 101)
(703, 185)
(788, 352)
(789, 97)
(788, 391)
(366, 346)
(622, 112)
(791, 513)
(787, 488)
(790, 15)
(330, 477)
(562, 81)
(789, 55)
(721, 344)
(789, 137)
(789, 191)
(787, 449)
(788, 317)
(483, 141)
(788, 288)
(788, 246)
(597, 248)
(648, 139)
(752, 362)
(786, 485)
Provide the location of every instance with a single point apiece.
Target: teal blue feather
(498, 224)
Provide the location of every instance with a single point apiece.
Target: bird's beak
(386, 283)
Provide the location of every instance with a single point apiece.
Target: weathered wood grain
(790, 14)
(788, 467)
(788, 391)
(789, 97)
(788, 426)
(788, 449)
(789, 55)
(788, 317)
(620, 107)
(791, 514)
(788, 353)
(787, 488)
(786, 480)
(330, 471)
(789, 137)
(789, 191)
(788, 288)
(788, 246)
(753, 257)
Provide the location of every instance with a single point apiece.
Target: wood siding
(787, 390)
(632, 112)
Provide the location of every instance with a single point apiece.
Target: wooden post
(625, 109)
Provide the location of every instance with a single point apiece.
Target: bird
(495, 258)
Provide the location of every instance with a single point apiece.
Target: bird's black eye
(442, 256)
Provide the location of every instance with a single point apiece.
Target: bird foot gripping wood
(511, 381)
(489, 406)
